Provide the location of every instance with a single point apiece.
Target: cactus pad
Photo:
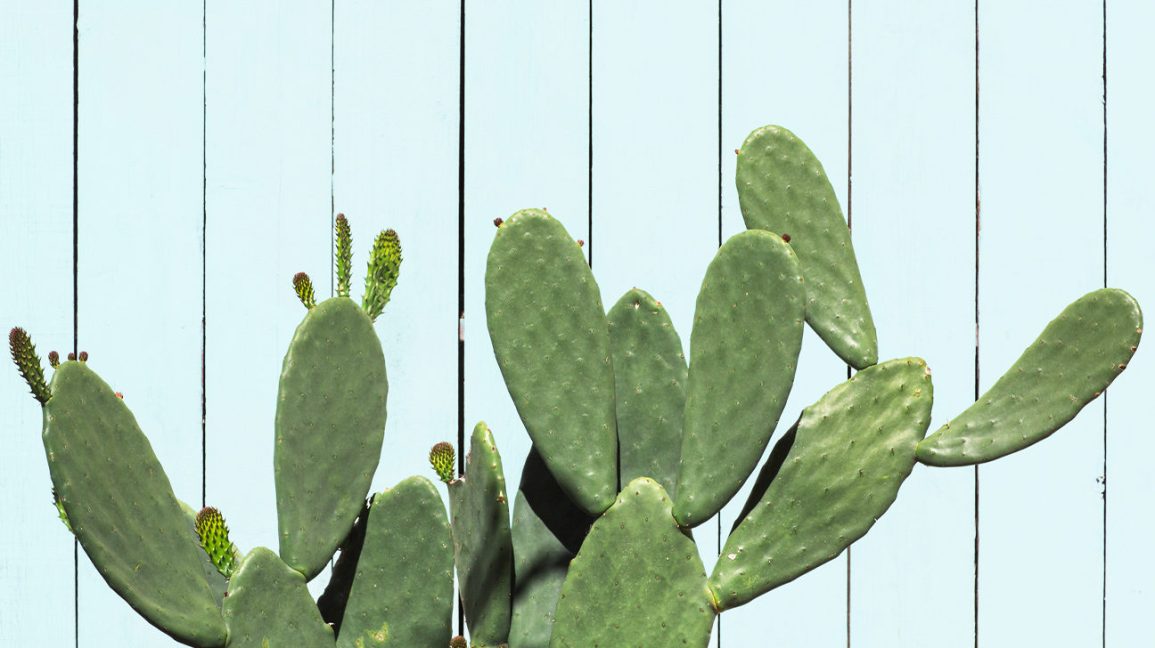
(403, 592)
(115, 493)
(269, 606)
(1074, 359)
(743, 355)
(482, 548)
(552, 342)
(783, 188)
(330, 426)
(548, 530)
(637, 581)
(650, 381)
(847, 458)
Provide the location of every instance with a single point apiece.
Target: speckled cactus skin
(608, 399)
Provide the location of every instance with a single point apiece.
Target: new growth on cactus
(633, 445)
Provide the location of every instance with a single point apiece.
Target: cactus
(606, 399)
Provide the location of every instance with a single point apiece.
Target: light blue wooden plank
(140, 248)
(914, 231)
(1131, 266)
(786, 64)
(1041, 248)
(36, 563)
(526, 111)
(396, 164)
(655, 166)
(268, 141)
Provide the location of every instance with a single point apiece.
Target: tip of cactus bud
(442, 457)
(83, 357)
(24, 355)
(299, 277)
(71, 357)
(54, 359)
(785, 237)
(458, 642)
(341, 218)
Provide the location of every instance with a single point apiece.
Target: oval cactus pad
(269, 606)
(650, 379)
(403, 592)
(482, 546)
(552, 342)
(783, 188)
(330, 426)
(1079, 353)
(743, 354)
(850, 453)
(122, 508)
(637, 581)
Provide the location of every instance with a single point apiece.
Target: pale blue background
(214, 141)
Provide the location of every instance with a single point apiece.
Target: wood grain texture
(914, 230)
(1041, 248)
(37, 602)
(1130, 265)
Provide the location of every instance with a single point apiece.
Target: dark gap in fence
(849, 215)
(1104, 592)
(978, 229)
(76, 268)
(461, 271)
(718, 537)
(204, 247)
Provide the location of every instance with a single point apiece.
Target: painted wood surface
(215, 147)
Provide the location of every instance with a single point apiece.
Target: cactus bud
(83, 356)
(384, 268)
(786, 237)
(304, 287)
(214, 536)
(458, 642)
(24, 355)
(71, 356)
(498, 221)
(344, 255)
(442, 457)
(581, 243)
(54, 359)
(60, 511)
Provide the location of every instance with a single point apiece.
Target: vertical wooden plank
(268, 201)
(786, 64)
(395, 167)
(36, 568)
(526, 109)
(1130, 265)
(140, 248)
(1040, 530)
(914, 232)
(655, 164)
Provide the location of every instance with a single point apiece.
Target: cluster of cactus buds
(615, 402)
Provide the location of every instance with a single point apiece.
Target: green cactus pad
(482, 548)
(330, 426)
(650, 381)
(783, 188)
(403, 592)
(333, 601)
(269, 606)
(846, 459)
(552, 342)
(1078, 354)
(116, 494)
(743, 354)
(637, 581)
(548, 530)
